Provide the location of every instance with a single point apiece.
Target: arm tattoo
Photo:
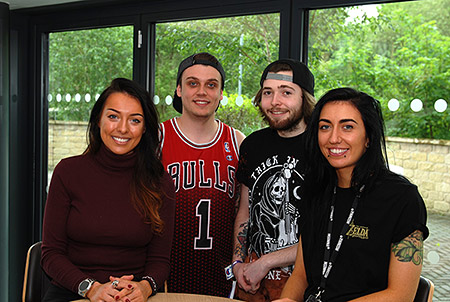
(410, 249)
(240, 249)
(238, 198)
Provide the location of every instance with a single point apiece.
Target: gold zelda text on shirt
(358, 231)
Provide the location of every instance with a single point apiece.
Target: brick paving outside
(438, 243)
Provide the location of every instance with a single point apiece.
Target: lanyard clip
(319, 293)
(316, 297)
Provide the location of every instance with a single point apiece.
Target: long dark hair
(145, 185)
(321, 176)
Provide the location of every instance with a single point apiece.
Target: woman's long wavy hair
(321, 176)
(145, 185)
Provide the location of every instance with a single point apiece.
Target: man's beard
(286, 124)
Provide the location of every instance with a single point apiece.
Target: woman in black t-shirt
(363, 236)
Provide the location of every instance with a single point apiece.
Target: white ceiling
(17, 4)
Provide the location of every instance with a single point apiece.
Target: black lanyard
(330, 257)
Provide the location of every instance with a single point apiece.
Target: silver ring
(115, 283)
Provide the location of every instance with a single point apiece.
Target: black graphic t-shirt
(272, 167)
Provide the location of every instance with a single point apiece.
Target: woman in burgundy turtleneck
(108, 222)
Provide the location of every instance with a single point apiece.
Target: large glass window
(244, 45)
(81, 65)
(397, 52)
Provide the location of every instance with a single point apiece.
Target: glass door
(81, 65)
(244, 45)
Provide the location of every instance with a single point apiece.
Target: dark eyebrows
(112, 109)
(348, 120)
(281, 86)
(116, 111)
(138, 114)
(343, 121)
(196, 79)
(286, 86)
(324, 120)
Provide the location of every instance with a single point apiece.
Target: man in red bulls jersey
(271, 173)
(201, 155)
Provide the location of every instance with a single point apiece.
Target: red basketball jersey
(205, 185)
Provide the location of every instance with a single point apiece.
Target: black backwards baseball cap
(301, 75)
(191, 61)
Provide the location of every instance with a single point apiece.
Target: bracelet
(229, 269)
(152, 284)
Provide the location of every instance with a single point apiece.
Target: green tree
(401, 53)
(246, 116)
(247, 42)
(397, 54)
(85, 62)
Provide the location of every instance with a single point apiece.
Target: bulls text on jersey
(189, 174)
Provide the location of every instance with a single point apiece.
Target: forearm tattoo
(410, 249)
(240, 248)
(238, 198)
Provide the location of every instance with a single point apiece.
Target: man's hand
(254, 272)
(238, 271)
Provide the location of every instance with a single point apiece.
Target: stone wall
(424, 162)
(65, 139)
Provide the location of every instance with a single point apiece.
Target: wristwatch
(85, 286)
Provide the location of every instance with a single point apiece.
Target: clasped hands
(249, 275)
(122, 289)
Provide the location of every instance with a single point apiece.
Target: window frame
(144, 17)
(29, 29)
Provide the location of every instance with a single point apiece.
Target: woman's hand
(102, 292)
(131, 291)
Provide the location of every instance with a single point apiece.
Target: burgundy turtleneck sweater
(91, 229)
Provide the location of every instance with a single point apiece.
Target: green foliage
(402, 53)
(165, 111)
(249, 41)
(84, 62)
(245, 118)
(398, 54)
(221, 37)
